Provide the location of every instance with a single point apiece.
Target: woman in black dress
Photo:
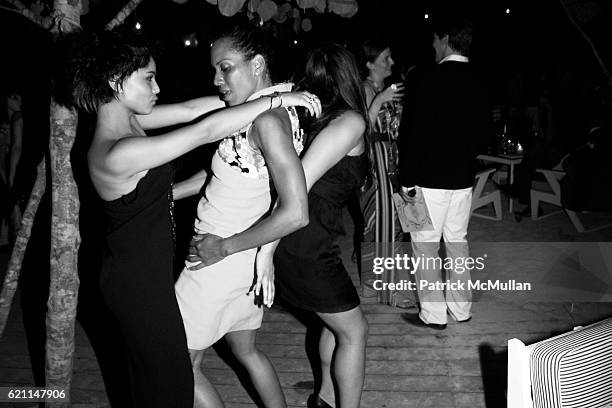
(310, 273)
(115, 77)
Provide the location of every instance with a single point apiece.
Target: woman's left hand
(264, 267)
(207, 249)
(306, 99)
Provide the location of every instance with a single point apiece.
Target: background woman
(384, 105)
(219, 300)
(381, 224)
(311, 275)
(115, 77)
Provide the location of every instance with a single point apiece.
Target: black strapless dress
(138, 286)
(309, 271)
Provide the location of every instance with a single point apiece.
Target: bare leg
(350, 330)
(205, 395)
(260, 369)
(327, 344)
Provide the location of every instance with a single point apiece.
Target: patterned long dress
(381, 227)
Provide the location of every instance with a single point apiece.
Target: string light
(426, 16)
(190, 40)
(295, 42)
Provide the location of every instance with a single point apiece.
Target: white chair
(569, 370)
(553, 177)
(480, 198)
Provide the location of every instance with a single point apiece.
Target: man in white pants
(444, 127)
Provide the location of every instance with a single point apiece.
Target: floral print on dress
(236, 151)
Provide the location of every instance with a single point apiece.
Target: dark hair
(331, 73)
(250, 41)
(101, 57)
(459, 31)
(370, 50)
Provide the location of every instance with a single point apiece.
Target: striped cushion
(574, 369)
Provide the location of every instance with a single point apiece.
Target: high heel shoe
(314, 401)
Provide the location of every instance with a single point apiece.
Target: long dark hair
(331, 73)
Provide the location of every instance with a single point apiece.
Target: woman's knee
(362, 328)
(354, 333)
(244, 352)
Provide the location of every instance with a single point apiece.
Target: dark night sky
(534, 36)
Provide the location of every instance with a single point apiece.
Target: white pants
(450, 214)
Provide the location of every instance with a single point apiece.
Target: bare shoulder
(269, 126)
(274, 117)
(107, 150)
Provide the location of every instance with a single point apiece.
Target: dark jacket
(445, 125)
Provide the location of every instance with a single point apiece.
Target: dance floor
(407, 367)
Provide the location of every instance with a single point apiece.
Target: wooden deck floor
(463, 366)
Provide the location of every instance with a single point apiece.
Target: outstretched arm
(176, 113)
(131, 155)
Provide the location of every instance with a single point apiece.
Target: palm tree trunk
(65, 237)
(123, 14)
(21, 243)
(65, 242)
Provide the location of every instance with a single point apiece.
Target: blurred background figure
(384, 103)
(11, 131)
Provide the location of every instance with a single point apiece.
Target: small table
(509, 160)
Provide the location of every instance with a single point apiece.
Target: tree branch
(588, 40)
(23, 236)
(20, 8)
(123, 14)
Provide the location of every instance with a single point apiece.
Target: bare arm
(375, 101)
(131, 155)
(334, 142)
(176, 113)
(190, 186)
(16, 144)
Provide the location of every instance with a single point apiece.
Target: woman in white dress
(218, 299)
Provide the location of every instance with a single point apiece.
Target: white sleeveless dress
(219, 299)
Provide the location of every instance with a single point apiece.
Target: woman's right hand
(304, 98)
(393, 92)
(264, 267)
